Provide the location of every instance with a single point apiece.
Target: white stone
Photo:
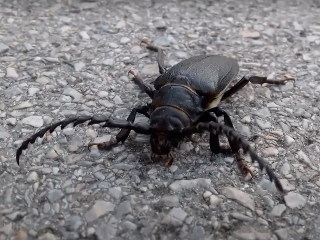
(214, 200)
(289, 140)
(84, 35)
(32, 177)
(11, 72)
(35, 121)
(22, 105)
(32, 91)
(108, 62)
(207, 194)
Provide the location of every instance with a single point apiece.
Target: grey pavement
(65, 58)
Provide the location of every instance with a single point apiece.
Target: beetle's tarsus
(280, 82)
(242, 165)
(104, 145)
(149, 46)
(131, 72)
(170, 157)
(262, 80)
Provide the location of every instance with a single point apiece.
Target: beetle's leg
(214, 141)
(170, 158)
(233, 144)
(227, 120)
(143, 87)
(124, 133)
(254, 80)
(242, 164)
(160, 57)
(220, 129)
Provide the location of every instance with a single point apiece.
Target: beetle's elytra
(185, 101)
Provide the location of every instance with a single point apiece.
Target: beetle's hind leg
(160, 57)
(254, 80)
(124, 133)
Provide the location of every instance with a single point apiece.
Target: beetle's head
(160, 144)
(165, 123)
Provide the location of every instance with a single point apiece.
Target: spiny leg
(143, 87)
(124, 133)
(220, 129)
(254, 80)
(160, 57)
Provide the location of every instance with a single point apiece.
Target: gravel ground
(60, 59)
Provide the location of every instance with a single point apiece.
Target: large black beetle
(185, 101)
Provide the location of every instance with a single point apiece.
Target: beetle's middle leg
(160, 57)
(254, 80)
(124, 133)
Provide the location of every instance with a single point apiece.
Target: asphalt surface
(71, 58)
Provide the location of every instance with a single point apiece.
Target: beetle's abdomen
(208, 75)
(181, 97)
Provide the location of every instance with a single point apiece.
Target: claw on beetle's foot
(149, 45)
(131, 72)
(243, 166)
(145, 41)
(169, 164)
(104, 145)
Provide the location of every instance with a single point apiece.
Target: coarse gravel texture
(65, 58)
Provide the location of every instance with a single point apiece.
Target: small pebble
(270, 151)
(12, 73)
(84, 35)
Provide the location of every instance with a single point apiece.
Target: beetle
(185, 101)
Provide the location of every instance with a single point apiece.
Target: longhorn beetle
(185, 101)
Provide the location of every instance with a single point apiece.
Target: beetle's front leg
(143, 87)
(160, 57)
(124, 133)
(214, 138)
(254, 80)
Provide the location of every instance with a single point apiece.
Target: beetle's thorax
(181, 97)
(167, 118)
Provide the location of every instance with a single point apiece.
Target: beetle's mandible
(185, 101)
